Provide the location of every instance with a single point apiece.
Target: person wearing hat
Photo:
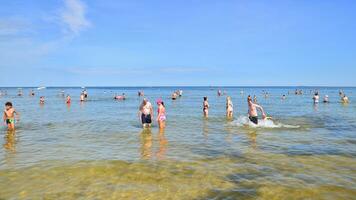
(161, 116)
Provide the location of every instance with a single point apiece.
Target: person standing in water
(316, 97)
(85, 93)
(206, 107)
(344, 99)
(161, 116)
(68, 99)
(174, 95)
(252, 111)
(9, 116)
(326, 99)
(42, 100)
(229, 107)
(82, 97)
(146, 113)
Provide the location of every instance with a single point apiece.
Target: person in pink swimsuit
(161, 117)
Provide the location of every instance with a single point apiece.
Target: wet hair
(8, 104)
(316, 93)
(205, 98)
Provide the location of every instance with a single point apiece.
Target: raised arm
(261, 109)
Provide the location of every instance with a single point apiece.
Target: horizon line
(208, 86)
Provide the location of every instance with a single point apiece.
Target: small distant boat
(41, 88)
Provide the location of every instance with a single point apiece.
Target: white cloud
(73, 16)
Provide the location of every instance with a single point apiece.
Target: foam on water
(268, 123)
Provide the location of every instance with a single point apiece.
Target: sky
(178, 43)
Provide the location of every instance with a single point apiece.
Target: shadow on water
(10, 141)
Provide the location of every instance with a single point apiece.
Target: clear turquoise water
(97, 149)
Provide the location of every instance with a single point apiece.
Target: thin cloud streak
(73, 16)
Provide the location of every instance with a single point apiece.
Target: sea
(97, 149)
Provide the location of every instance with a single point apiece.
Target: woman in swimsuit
(161, 117)
(229, 107)
(206, 107)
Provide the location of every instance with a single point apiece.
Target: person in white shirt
(146, 113)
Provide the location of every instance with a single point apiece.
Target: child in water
(9, 116)
(206, 107)
(42, 100)
(161, 117)
(68, 99)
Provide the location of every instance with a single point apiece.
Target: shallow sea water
(97, 149)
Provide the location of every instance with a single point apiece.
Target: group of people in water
(344, 98)
(146, 112)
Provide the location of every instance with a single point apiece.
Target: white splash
(267, 123)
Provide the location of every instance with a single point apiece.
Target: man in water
(344, 99)
(252, 111)
(146, 113)
(316, 97)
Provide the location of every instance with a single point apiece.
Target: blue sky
(178, 42)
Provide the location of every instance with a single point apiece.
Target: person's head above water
(160, 102)
(249, 99)
(205, 98)
(8, 105)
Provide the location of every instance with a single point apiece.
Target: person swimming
(120, 97)
(206, 107)
(32, 93)
(252, 111)
(161, 114)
